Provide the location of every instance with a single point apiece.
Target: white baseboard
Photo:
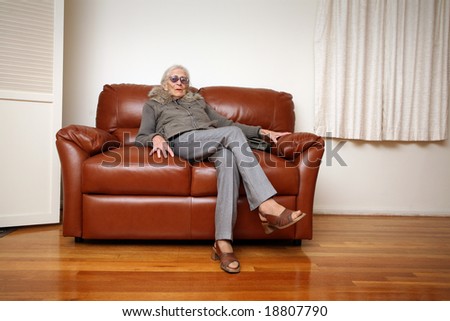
(323, 211)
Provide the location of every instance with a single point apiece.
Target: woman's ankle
(225, 246)
(270, 207)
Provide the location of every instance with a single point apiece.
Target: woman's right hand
(160, 145)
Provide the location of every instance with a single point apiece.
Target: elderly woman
(177, 121)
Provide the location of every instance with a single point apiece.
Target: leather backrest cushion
(120, 106)
(253, 106)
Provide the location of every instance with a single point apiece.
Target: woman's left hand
(273, 136)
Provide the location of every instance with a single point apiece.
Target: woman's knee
(235, 137)
(236, 131)
(224, 158)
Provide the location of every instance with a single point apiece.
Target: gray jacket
(161, 115)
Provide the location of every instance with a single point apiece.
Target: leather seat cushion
(283, 175)
(130, 170)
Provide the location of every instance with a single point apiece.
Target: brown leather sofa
(115, 190)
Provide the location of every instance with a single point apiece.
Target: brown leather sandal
(225, 260)
(271, 223)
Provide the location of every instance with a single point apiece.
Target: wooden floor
(350, 258)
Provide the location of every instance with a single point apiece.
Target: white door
(31, 52)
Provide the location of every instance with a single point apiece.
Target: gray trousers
(228, 149)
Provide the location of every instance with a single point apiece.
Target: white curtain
(382, 69)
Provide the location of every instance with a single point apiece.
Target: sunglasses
(184, 80)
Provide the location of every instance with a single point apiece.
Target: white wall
(254, 43)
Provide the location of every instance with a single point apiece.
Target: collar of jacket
(163, 97)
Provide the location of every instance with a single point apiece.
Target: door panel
(30, 111)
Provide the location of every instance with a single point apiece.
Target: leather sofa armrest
(91, 140)
(304, 150)
(75, 144)
(293, 145)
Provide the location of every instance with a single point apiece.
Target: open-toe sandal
(271, 223)
(225, 259)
